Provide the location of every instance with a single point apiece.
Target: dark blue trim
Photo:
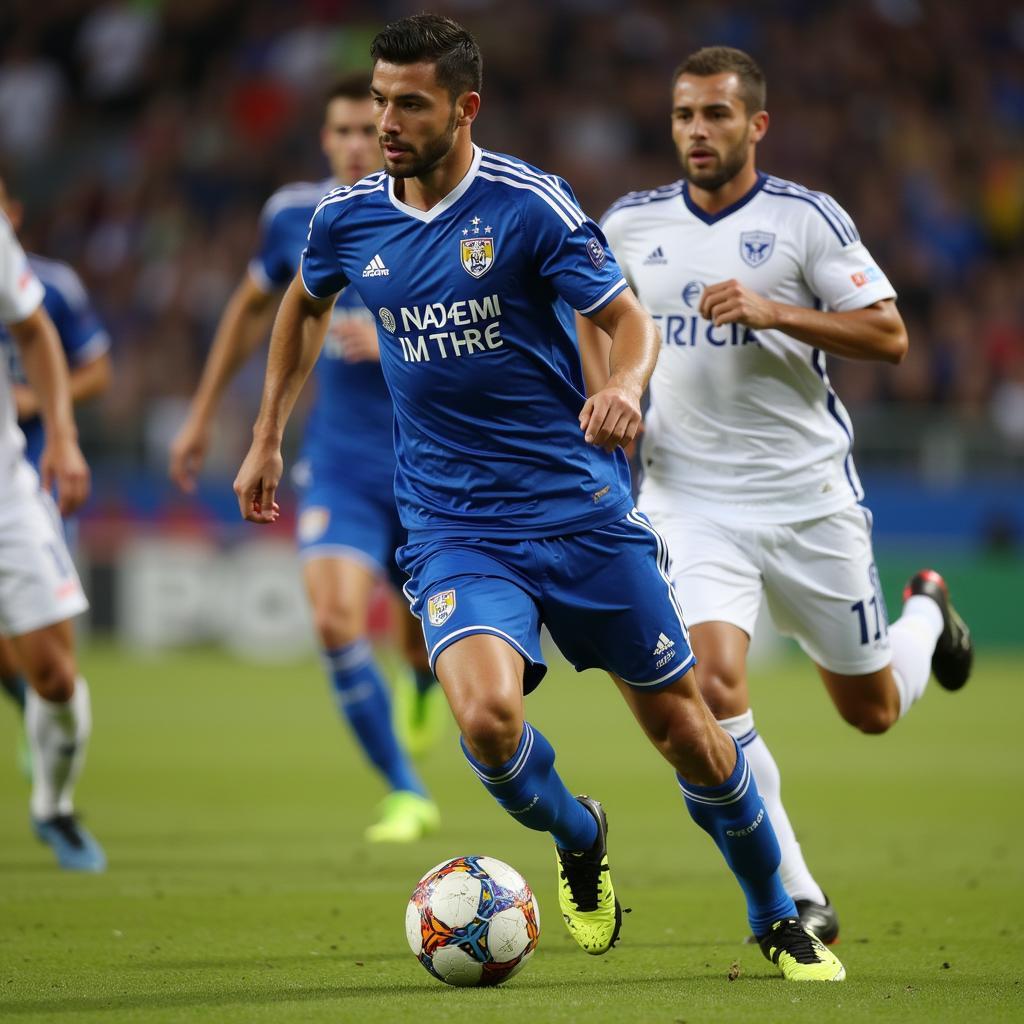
(714, 218)
(829, 208)
(656, 195)
(814, 204)
(818, 362)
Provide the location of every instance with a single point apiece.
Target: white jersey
(745, 423)
(20, 295)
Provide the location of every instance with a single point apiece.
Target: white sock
(57, 736)
(913, 637)
(796, 876)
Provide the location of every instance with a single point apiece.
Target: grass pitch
(231, 804)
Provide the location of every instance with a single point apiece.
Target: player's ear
(467, 106)
(759, 125)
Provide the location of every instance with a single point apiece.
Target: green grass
(232, 805)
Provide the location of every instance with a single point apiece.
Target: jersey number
(876, 614)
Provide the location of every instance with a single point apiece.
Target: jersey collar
(426, 216)
(713, 218)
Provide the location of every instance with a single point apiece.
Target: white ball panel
(536, 913)
(507, 936)
(519, 966)
(436, 867)
(456, 966)
(412, 928)
(507, 877)
(456, 899)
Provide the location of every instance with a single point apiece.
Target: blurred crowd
(144, 136)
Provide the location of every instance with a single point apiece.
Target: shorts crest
(440, 607)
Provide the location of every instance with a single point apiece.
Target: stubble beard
(429, 157)
(730, 165)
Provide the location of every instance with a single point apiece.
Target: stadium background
(145, 136)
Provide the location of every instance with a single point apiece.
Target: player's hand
(358, 340)
(256, 483)
(188, 451)
(62, 467)
(730, 302)
(611, 418)
(26, 404)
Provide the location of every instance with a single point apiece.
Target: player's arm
(61, 463)
(243, 325)
(595, 347)
(295, 344)
(875, 332)
(612, 416)
(86, 381)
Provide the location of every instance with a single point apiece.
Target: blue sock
(14, 687)
(362, 697)
(529, 788)
(734, 815)
(424, 680)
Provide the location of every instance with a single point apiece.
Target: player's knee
(338, 624)
(719, 687)
(871, 719)
(492, 733)
(53, 677)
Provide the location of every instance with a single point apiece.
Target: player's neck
(426, 191)
(731, 192)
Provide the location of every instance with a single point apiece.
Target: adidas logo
(376, 268)
(663, 644)
(656, 258)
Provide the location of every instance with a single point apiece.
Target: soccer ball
(472, 921)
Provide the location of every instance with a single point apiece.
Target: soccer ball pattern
(472, 921)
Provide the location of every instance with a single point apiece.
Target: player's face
(416, 118)
(349, 139)
(712, 129)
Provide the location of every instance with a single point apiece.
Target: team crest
(440, 607)
(477, 255)
(756, 247)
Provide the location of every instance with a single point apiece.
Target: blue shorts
(338, 520)
(604, 594)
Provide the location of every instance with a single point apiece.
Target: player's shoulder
(348, 199)
(59, 277)
(819, 208)
(639, 203)
(536, 191)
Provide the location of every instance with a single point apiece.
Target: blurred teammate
(747, 450)
(510, 482)
(40, 592)
(348, 527)
(86, 347)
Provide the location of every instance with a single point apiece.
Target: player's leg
(340, 588)
(420, 708)
(58, 721)
(13, 684)
(616, 608)
(717, 575)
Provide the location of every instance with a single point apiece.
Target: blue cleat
(76, 849)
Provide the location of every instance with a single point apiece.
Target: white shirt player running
(745, 423)
(20, 295)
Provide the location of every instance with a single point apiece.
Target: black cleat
(954, 652)
(819, 918)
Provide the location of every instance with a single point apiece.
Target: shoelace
(584, 877)
(792, 939)
(66, 825)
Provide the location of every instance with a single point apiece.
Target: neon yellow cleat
(405, 817)
(799, 954)
(586, 896)
(420, 716)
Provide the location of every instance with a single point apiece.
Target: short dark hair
(355, 86)
(717, 60)
(435, 39)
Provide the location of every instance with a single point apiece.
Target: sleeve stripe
(643, 198)
(348, 193)
(608, 295)
(571, 224)
(824, 204)
(548, 183)
(826, 216)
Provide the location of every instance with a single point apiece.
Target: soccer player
(510, 481)
(40, 592)
(86, 346)
(747, 451)
(348, 527)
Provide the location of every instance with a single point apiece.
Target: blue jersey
(81, 334)
(349, 426)
(474, 301)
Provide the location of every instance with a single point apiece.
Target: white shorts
(819, 578)
(39, 584)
